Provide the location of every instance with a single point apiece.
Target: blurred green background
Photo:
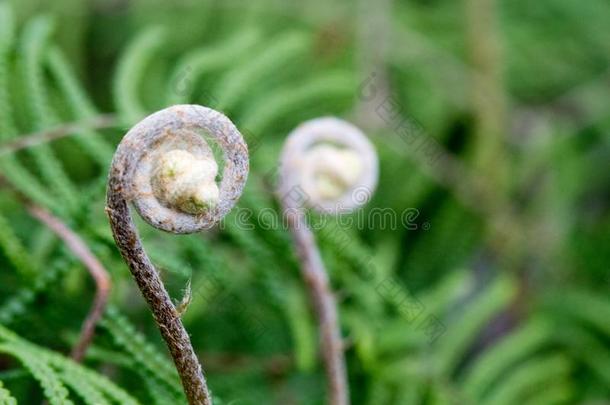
(491, 120)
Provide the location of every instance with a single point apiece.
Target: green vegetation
(492, 289)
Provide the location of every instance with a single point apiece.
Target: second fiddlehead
(329, 165)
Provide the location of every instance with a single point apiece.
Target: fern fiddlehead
(329, 165)
(149, 171)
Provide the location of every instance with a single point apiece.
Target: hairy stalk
(327, 164)
(172, 204)
(149, 282)
(96, 269)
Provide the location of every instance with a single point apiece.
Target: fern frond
(440, 299)
(198, 63)
(134, 343)
(170, 262)
(35, 37)
(5, 396)
(131, 71)
(513, 348)
(302, 327)
(212, 281)
(42, 364)
(379, 393)
(528, 379)
(91, 378)
(288, 100)
(262, 255)
(366, 343)
(591, 309)
(19, 303)
(453, 346)
(271, 58)
(89, 394)
(26, 183)
(587, 348)
(54, 390)
(560, 393)
(158, 394)
(14, 250)
(7, 34)
(11, 169)
(80, 105)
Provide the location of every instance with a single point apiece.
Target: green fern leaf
(5, 396)
(35, 37)
(531, 377)
(287, 101)
(80, 105)
(55, 392)
(14, 250)
(272, 57)
(134, 343)
(514, 347)
(198, 63)
(11, 169)
(453, 346)
(130, 73)
(89, 394)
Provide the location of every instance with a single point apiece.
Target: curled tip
(167, 169)
(330, 164)
(186, 182)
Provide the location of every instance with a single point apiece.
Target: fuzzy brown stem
(92, 264)
(316, 278)
(149, 282)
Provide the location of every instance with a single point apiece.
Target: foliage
(461, 306)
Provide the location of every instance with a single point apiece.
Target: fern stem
(296, 192)
(130, 181)
(315, 276)
(149, 282)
